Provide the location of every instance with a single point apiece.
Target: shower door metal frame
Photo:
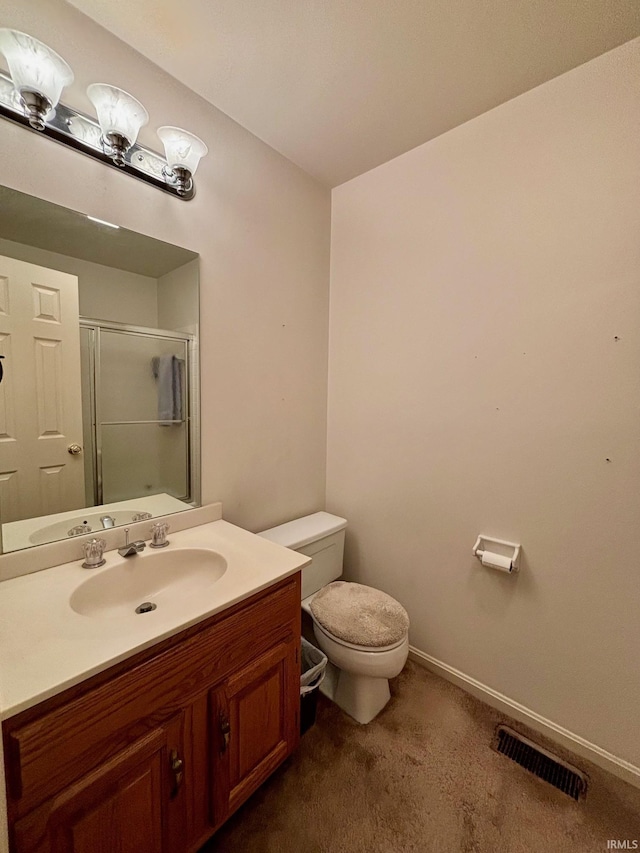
(191, 399)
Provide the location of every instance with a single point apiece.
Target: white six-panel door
(40, 395)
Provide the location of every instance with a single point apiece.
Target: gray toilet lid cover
(360, 614)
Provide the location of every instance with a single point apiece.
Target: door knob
(74, 449)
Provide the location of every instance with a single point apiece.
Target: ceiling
(35, 222)
(340, 86)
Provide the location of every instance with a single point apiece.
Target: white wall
(485, 342)
(104, 293)
(178, 299)
(261, 226)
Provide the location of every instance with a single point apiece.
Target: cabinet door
(255, 725)
(130, 804)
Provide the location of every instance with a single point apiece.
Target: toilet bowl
(384, 662)
(358, 676)
(365, 649)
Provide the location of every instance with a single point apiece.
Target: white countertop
(46, 647)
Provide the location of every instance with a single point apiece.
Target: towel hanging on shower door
(168, 372)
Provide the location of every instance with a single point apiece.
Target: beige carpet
(422, 777)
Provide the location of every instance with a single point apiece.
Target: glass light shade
(33, 66)
(182, 149)
(118, 111)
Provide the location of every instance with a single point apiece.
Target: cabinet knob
(176, 765)
(225, 731)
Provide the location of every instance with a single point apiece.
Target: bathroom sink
(159, 580)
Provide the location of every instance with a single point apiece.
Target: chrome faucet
(107, 521)
(131, 548)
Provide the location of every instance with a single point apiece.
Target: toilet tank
(320, 536)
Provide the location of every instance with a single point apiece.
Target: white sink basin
(161, 578)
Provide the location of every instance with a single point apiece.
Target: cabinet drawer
(48, 753)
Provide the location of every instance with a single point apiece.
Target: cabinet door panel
(257, 715)
(254, 725)
(129, 820)
(123, 807)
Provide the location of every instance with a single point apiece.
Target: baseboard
(618, 766)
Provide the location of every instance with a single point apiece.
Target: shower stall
(138, 395)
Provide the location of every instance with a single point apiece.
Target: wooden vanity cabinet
(155, 754)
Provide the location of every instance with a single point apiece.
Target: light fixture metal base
(180, 178)
(116, 145)
(37, 108)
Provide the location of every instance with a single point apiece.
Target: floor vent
(541, 763)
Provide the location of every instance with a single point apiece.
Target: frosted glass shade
(33, 66)
(182, 149)
(118, 111)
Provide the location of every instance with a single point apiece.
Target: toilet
(363, 632)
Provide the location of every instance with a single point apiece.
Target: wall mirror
(99, 357)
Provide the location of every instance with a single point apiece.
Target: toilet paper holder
(497, 553)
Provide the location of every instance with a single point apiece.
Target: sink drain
(146, 607)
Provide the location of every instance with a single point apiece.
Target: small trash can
(313, 669)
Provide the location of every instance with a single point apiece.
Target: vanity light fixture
(30, 96)
(120, 115)
(183, 151)
(38, 73)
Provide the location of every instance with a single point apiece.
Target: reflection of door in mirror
(40, 395)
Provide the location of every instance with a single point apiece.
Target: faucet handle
(79, 529)
(93, 550)
(141, 516)
(159, 535)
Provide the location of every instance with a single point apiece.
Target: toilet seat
(306, 606)
(360, 617)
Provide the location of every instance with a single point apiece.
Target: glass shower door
(141, 416)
